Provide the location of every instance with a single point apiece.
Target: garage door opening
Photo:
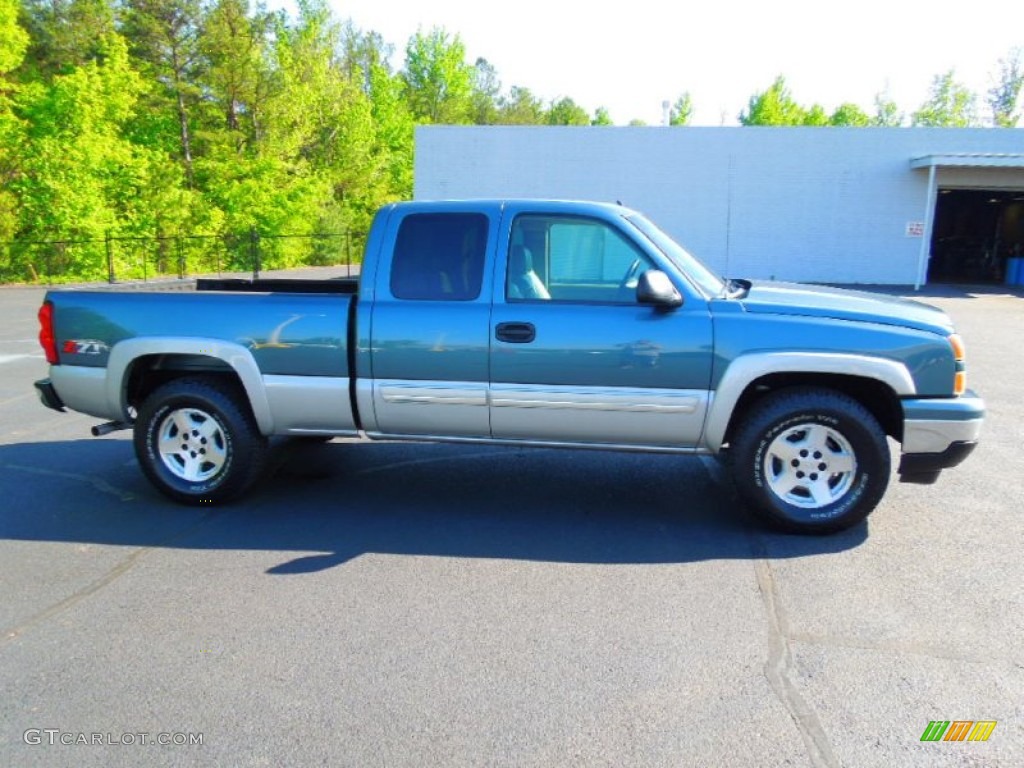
(975, 231)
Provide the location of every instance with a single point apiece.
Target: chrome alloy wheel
(810, 466)
(192, 445)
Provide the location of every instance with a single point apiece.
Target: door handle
(515, 333)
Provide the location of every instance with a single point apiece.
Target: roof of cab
(579, 207)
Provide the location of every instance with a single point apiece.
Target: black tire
(221, 450)
(810, 461)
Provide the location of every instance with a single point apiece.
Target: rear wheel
(197, 441)
(810, 460)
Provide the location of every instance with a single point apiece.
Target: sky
(631, 56)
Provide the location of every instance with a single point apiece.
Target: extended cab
(537, 323)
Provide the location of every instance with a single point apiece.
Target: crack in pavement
(119, 570)
(779, 666)
(108, 578)
(100, 485)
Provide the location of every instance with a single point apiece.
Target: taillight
(46, 336)
(960, 360)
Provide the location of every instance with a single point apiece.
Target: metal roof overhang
(933, 163)
(969, 160)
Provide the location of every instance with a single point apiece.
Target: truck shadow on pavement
(326, 504)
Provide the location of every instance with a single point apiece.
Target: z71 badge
(86, 347)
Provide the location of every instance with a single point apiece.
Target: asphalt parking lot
(415, 605)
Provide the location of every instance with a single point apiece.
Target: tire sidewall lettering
(838, 508)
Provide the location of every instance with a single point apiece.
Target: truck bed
(286, 333)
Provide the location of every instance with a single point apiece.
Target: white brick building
(838, 205)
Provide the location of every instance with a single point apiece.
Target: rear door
(429, 327)
(574, 357)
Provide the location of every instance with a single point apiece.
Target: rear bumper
(938, 435)
(48, 395)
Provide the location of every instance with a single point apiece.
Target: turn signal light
(959, 357)
(960, 383)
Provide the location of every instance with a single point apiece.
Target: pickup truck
(527, 323)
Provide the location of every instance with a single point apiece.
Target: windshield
(688, 264)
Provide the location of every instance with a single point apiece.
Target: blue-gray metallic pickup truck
(539, 323)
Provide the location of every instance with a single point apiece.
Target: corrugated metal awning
(969, 160)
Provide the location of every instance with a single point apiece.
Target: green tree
(486, 93)
(364, 52)
(681, 112)
(565, 111)
(887, 113)
(322, 162)
(951, 104)
(394, 126)
(235, 75)
(776, 106)
(814, 116)
(520, 107)
(439, 82)
(773, 106)
(14, 42)
(13, 39)
(1004, 96)
(368, 61)
(165, 38)
(601, 117)
(65, 34)
(81, 176)
(849, 115)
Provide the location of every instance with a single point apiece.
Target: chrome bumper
(938, 434)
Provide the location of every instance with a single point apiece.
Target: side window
(439, 257)
(562, 258)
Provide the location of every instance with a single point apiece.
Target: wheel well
(874, 395)
(148, 372)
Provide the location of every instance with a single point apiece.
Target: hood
(842, 304)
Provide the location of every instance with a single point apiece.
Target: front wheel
(810, 461)
(197, 441)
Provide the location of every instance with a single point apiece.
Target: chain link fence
(127, 259)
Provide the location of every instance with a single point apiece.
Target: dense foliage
(193, 134)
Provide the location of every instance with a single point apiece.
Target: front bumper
(938, 434)
(48, 395)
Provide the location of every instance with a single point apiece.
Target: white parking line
(14, 358)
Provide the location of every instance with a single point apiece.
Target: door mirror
(657, 290)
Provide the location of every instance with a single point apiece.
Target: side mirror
(655, 289)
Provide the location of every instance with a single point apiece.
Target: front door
(575, 358)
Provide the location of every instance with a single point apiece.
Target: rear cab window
(439, 257)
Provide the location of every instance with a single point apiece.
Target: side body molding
(241, 361)
(748, 368)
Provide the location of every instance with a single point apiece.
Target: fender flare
(235, 356)
(749, 368)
